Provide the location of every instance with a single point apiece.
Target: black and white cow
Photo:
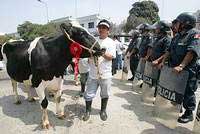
(43, 61)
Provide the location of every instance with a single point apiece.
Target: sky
(15, 12)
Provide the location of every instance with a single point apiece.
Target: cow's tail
(4, 53)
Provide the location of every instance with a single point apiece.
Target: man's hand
(100, 53)
(177, 69)
(159, 66)
(145, 58)
(155, 63)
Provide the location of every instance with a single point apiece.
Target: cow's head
(1, 56)
(80, 35)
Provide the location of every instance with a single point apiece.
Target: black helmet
(187, 19)
(135, 33)
(164, 26)
(143, 27)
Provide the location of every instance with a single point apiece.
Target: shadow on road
(143, 111)
(30, 113)
(160, 129)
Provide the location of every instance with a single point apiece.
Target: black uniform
(134, 57)
(159, 46)
(181, 44)
(143, 47)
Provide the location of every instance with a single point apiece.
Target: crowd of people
(175, 44)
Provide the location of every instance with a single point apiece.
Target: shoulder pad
(192, 34)
(193, 31)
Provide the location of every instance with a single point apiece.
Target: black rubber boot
(88, 110)
(82, 89)
(186, 117)
(103, 114)
(155, 93)
(141, 85)
(131, 79)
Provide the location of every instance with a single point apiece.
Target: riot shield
(150, 78)
(196, 128)
(139, 74)
(140, 69)
(125, 68)
(171, 89)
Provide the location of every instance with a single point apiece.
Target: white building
(1, 34)
(89, 22)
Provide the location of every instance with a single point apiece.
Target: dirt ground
(126, 113)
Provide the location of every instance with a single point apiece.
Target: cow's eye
(81, 33)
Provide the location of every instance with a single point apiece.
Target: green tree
(117, 29)
(4, 38)
(29, 31)
(145, 11)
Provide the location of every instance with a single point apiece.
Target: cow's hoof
(18, 102)
(46, 125)
(61, 116)
(76, 84)
(31, 100)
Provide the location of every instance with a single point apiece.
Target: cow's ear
(66, 26)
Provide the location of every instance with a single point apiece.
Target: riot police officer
(161, 41)
(183, 54)
(132, 52)
(146, 39)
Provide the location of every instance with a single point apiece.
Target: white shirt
(105, 66)
(83, 65)
(119, 47)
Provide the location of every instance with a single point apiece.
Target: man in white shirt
(119, 49)
(101, 74)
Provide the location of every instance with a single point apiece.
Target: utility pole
(76, 8)
(46, 6)
(99, 7)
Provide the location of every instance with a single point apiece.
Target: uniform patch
(197, 36)
(181, 44)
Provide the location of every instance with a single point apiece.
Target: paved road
(127, 114)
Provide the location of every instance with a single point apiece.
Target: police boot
(186, 117)
(82, 89)
(141, 85)
(88, 110)
(131, 79)
(103, 114)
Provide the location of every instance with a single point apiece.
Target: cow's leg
(27, 85)
(59, 111)
(14, 85)
(44, 103)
